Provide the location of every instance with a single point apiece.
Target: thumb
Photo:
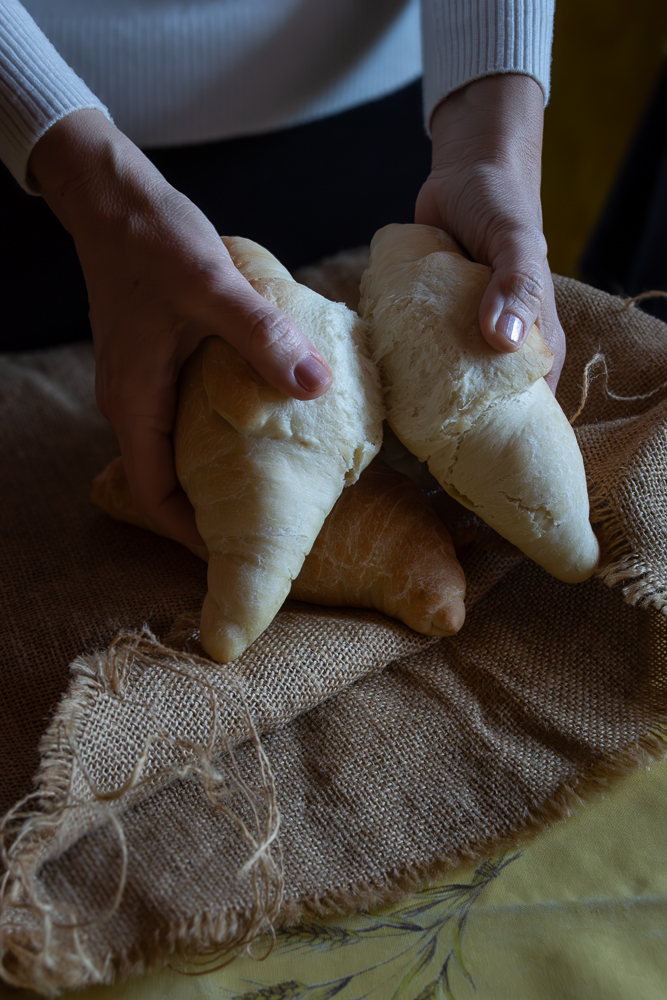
(272, 343)
(516, 292)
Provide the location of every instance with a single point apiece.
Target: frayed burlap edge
(48, 953)
(619, 564)
(405, 881)
(641, 585)
(218, 936)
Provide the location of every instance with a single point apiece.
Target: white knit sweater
(173, 72)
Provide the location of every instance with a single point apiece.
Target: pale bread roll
(486, 422)
(382, 546)
(261, 469)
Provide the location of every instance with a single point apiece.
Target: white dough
(485, 421)
(263, 470)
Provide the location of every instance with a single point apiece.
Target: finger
(148, 458)
(516, 293)
(272, 343)
(149, 463)
(553, 333)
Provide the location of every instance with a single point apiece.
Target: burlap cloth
(160, 821)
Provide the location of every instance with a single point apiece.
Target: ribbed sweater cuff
(37, 88)
(464, 40)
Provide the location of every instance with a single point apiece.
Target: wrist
(84, 168)
(496, 120)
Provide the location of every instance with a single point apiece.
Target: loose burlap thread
(343, 760)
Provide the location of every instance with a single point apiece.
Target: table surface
(577, 913)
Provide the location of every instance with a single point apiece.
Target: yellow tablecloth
(578, 913)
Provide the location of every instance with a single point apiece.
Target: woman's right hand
(159, 280)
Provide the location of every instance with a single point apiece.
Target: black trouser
(302, 192)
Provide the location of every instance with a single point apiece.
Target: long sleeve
(37, 88)
(464, 40)
(205, 71)
(179, 73)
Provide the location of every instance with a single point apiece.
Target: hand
(484, 189)
(159, 280)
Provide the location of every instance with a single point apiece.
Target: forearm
(37, 88)
(493, 124)
(89, 173)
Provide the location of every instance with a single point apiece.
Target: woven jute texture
(180, 805)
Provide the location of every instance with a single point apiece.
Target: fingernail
(311, 373)
(510, 327)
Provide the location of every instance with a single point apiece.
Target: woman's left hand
(484, 189)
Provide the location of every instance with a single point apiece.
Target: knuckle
(521, 261)
(526, 286)
(271, 332)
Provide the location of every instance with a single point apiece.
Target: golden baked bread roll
(486, 422)
(261, 469)
(382, 546)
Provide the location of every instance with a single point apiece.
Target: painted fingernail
(510, 327)
(311, 373)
